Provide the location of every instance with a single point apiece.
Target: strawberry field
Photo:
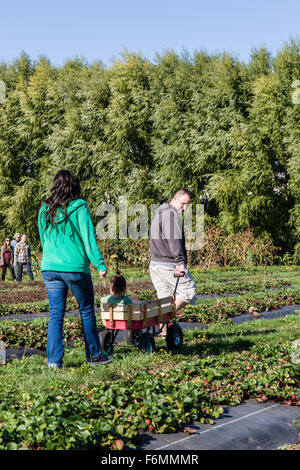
(221, 363)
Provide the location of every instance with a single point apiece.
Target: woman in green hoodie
(69, 246)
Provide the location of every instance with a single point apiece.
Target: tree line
(227, 130)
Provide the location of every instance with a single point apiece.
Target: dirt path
(36, 291)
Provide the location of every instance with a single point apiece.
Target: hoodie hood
(72, 207)
(164, 206)
(167, 206)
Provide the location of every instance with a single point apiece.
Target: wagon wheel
(106, 341)
(147, 343)
(174, 338)
(133, 337)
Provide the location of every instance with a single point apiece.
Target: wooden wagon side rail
(141, 311)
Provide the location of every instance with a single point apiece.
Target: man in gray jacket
(168, 252)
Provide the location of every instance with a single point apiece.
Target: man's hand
(179, 269)
(103, 274)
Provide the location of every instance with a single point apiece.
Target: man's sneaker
(103, 358)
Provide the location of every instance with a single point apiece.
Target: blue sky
(101, 29)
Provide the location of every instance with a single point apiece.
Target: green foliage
(296, 257)
(208, 312)
(83, 408)
(226, 129)
(86, 408)
(33, 334)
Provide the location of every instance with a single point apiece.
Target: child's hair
(118, 284)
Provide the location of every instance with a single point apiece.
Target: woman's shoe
(54, 366)
(103, 358)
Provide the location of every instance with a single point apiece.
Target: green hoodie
(71, 247)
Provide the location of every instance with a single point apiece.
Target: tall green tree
(127, 160)
(77, 138)
(172, 91)
(227, 130)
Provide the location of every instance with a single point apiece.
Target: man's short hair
(183, 191)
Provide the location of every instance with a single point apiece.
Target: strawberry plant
(80, 407)
(33, 334)
(215, 311)
(108, 408)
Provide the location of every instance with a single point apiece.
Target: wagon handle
(182, 273)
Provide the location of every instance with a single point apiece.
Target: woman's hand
(103, 274)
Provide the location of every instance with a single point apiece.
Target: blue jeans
(57, 284)
(20, 270)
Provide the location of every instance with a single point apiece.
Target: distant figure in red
(7, 259)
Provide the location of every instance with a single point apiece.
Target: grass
(216, 275)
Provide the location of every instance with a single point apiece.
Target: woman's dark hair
(118, 284)
(66, 188)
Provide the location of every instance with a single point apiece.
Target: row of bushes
(220, 249)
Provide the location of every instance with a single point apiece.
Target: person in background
(22, 257)
(17, 238)
(7, 259)
(69, 246)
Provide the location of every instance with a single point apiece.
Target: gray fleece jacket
(167, 241)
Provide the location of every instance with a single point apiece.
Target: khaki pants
(164, 282)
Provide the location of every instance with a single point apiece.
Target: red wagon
(134, 318)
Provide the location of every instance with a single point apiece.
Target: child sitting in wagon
(149, 316)
(117, 291)
(117, 296)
